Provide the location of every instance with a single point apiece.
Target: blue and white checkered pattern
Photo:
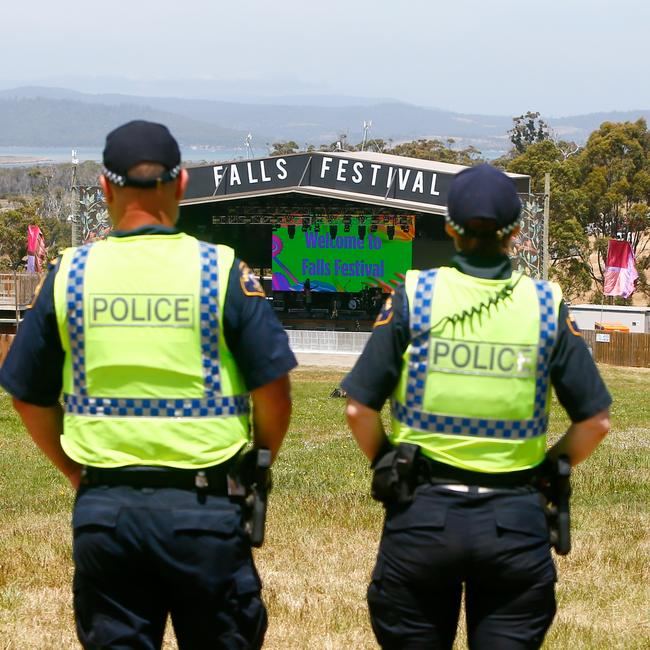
(547, 335)
(212, 405)
(461, 426)
(210, 319)
(75, 306)
(412, 415)
(208, 407)
(420, 323)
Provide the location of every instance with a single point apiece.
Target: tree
(614, 171)
(438, 150)
(599, 192)
(340, 144)
(376, 144)
(284, 148)
(528, 129)
(568, 243)
(13, 233)
(50, 185)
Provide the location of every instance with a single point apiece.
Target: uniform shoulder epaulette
(250, 285)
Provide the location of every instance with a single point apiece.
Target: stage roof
(363, 177)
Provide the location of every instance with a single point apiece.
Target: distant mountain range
(51, 117)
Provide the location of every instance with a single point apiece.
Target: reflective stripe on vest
(209, 407)
(213, 404)
(411, 413)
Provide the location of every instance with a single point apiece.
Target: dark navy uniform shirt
(574, 374)
(32, 371)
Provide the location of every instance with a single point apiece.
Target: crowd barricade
(327, 342)
(614, 348)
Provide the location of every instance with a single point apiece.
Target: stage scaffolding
(528, 253)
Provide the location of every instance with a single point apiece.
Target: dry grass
(323, 533)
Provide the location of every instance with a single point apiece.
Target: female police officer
(466, 353)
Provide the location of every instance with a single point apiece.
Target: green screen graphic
(345, 263)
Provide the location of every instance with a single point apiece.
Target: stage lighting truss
(316, 221)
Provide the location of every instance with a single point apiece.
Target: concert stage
(329, 233)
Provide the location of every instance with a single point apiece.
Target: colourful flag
(620, 272)
(36, 252)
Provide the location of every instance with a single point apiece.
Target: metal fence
(615, 348)
(329, 342)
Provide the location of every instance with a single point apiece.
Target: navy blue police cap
(138, 142)
(483, 192)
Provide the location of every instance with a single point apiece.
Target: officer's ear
(181, 184)
(454, 235)
(106, 188)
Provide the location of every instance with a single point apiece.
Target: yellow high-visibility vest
(474, 389)
(148, 378)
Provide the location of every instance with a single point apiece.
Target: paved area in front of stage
(323, 359)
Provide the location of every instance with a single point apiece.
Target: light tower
(367, 125)
(74, 217)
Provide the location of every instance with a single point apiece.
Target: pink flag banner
(620, 272)
(36, 251)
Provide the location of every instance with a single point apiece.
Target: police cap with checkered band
(483, 192)
(138, 142)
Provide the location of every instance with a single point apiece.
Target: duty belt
(210, 480)
(430, 471)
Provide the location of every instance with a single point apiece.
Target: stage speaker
(390, 231)
(333, 231)
(291, 231)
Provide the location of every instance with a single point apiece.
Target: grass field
(323, 532)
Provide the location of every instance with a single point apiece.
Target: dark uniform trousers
(143, 553)
(495, 542)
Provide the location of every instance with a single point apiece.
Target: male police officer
(154, 338)
(466, 352)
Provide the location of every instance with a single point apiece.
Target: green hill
(45, 122)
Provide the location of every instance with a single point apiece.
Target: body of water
(26, 156)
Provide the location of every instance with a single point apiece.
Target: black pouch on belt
(395, 475)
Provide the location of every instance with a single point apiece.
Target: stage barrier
(327, 342)
(632, 350)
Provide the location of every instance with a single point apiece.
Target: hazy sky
(560, 57)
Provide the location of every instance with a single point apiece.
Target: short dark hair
(481, 236)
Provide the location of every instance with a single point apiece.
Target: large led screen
(348, 262)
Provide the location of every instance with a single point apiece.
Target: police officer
(466, 353)
(154, 339)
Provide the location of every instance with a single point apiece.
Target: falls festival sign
(349, 174)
